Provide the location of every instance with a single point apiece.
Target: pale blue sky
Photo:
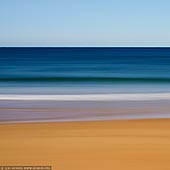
(84, 22)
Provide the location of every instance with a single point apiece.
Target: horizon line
(84, 46)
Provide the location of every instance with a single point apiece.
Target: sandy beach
(126, 144)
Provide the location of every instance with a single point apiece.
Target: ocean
(82, 83)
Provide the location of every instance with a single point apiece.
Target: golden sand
(103, 145)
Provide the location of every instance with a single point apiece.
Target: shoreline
(82, 121)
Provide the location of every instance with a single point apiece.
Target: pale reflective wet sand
(59, 111)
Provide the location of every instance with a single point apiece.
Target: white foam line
(90, 97)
